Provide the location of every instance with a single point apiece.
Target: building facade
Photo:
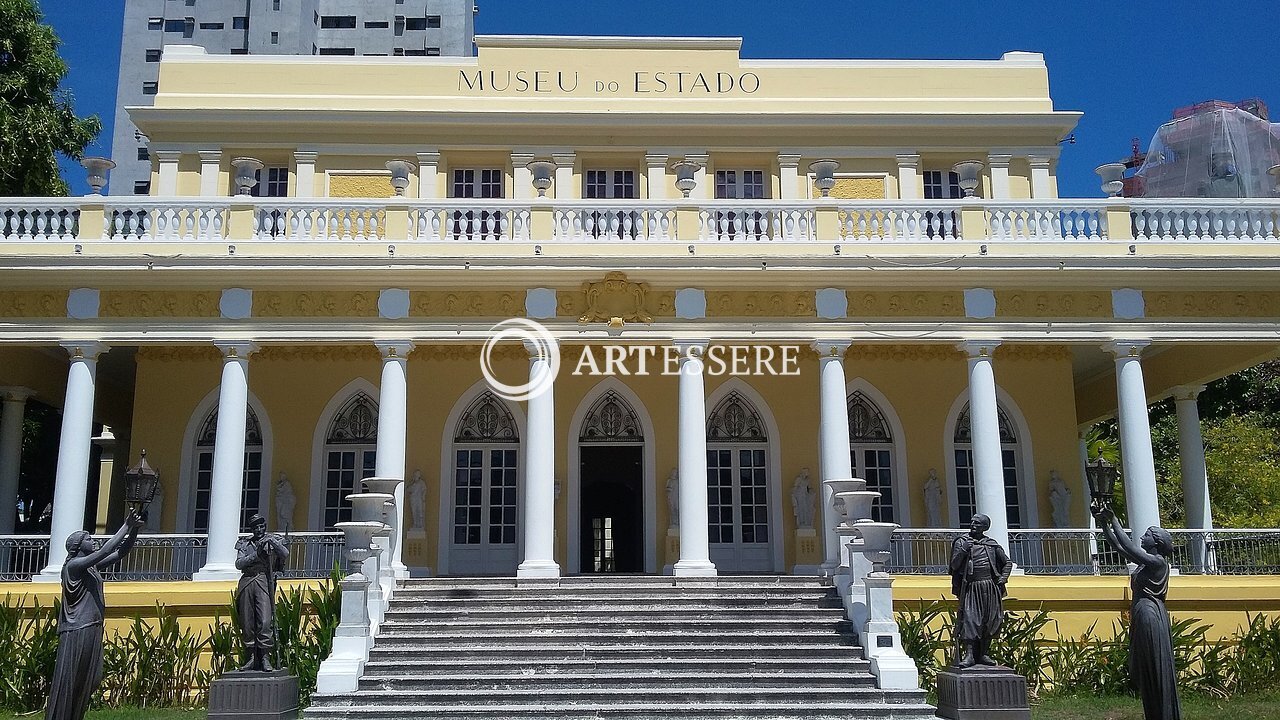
(271, 27)
(664, 197)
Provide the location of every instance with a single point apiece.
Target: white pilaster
(695, 548)
(984, 428)
(999, 168)
(71, 479)
(834, 462)
(564, 161)
(428, 172)
(540, 475)
(393, 423)
(1136, 459)
(167, 160)
(789, 177)
(1041, 186)
(227, 485)
(656, 167)
(522, 176)
(210, 172)
(304, 174)
(1195, 476)
(14, 400)
(908, 177)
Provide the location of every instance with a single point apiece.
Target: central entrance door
(612, 534)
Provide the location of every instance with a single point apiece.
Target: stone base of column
(694, 568)
(50, 574)
(339, 675)
(538, 569)
(214, 573)
(401, 571)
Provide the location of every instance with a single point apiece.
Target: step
(652, 680)
(398, 613)
(596, 581)
(846, 665)
(910, 710)
(400, 626)
(532, 600)
(665, 638)
(798, 694)
(506, 652)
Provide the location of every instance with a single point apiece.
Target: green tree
(37, 118)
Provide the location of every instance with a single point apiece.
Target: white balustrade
(756, 221)
(346, 221)
(1053, 221)
(40, 220)
(619, 220)
(899, 222)
(165, 220)
(469, 221)
(1206, 219)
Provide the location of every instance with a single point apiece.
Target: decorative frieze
(1213, 304)
(906, 304)
(179, 353)
(342, 303)
(1038, 353)
(900, 353)
(741, 303)
(466, 303)
(319, 353)
(33, 303)
(1026, 303)
(159, 303)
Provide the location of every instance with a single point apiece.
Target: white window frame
(1023, 454)
(185, 500)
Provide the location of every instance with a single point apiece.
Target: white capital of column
(393, 423)
(14, 400)
(984, 428)
(71, 479)
(695, 546)
(1136, 457)
(539, 521)
(227, 485)
(834, 461)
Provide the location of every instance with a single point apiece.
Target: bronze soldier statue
(258, 557)
(979, 572)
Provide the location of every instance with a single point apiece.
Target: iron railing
(170, 557)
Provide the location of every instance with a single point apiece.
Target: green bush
(153, 666)
(28, 650)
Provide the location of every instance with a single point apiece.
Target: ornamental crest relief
(615, 297)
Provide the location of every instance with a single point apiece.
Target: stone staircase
(618, 647)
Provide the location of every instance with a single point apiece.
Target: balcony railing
(170, 557)
(1086, 552)
(395, 220)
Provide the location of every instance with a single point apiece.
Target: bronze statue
(78, 667)
(979, 572)
(1151, 665)
(258, 557)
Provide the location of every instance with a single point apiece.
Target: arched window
(486, 446)
(966, 499)
(611, 420)
(251, 495)
(738, 486)
(871, 452)
(350, 453)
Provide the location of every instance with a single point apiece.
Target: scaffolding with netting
(1212, 150)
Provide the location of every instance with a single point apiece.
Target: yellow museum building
(303, 300)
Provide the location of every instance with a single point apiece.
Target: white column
(1195, 476)
(695, 547)
(393, 424)
(984, 428)
(71, 479)
(522, 176)
(428, 174)
(168, 172)
(564, 189)
(14, 400)
(834, 462)
(999, 168)
(1041, 187)
(789, 177)
(1136, 459)
(227, 486)
(210, 172)
(908, 177)
(304, 174)
(656, 166)
(539, 520)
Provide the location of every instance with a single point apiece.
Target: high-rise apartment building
(268, 27)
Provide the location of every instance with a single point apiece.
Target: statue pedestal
(808, 556)
(268, 696)
(982, 692)
(672, 549)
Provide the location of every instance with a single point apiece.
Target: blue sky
(1126, 64)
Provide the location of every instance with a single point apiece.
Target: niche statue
(1150, 640)
(979, 573)
(78, 667)
(258, 557)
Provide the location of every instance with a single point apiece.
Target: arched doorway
(611, 477)
(481, 524)
(741, 478)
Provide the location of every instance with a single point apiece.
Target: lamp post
(98, 168)
(542, 171)
(140, 485)
(400, 170)
(247, 170)
(968, 172)
(685, 171)
(824, 174)
(1101, 476)
(1112, 175)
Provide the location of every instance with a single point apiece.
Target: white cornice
(612, 42)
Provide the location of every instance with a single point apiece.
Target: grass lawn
(1263, 706)
(124, 714)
